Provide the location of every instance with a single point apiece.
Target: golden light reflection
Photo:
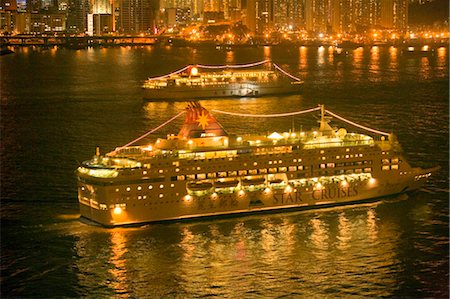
(267, 53)
(118, 261)
(319, 238)
(372, 226)
(358, 55)
(268, 242)
(230, 57)
(303, 61)
(321, 55)
(442, 56)
(344, 237)
(425, 68)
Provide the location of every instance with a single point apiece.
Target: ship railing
(345, 143)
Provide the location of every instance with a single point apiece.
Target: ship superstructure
(204, 171)
(213, 81)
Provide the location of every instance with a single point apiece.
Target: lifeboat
(253, 181)
(199, 186)
(226, 184)
(276, 181)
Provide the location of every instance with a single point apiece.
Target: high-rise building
(77, 16)
(136, 16)
(394, 14)
(316, 15)
(250, 15)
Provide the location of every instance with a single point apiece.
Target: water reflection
(328, 252)
(374, 66)
(320, 55)
(118, 261)
(267, 54)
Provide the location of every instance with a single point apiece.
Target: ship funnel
(200, 123)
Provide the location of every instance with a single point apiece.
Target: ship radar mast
(325, 128)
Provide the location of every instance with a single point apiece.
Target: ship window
(211, 175)
(358, 170)
(160, 171)
(330, 165)
(139, 197)
(282, 169)
(172, 185)
(128, 189)
(252, 171)
(385, 161)
(270, 162)
(198, 168)
(177, 169)
(150, 187)
(161, 186)
(368, 162)
(190, 176)
(295, 160)
(139, 188)
(323, 166)
(262, 170)
(144, 172)
(347, 149)
(394, 160)
(368, 169)
(347, 156)
(272, 170)
(292, 168)
(338, 157)
(161, 195)
(181, 177)
(201, 176)
(242, 172)
(255, 163)
(394, 166)
(280, 161)
(385, 167)
(222, 174)
(232, 173)
(322, 151)
(300, 167)
(117, 189)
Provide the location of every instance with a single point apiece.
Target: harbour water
(58, 104)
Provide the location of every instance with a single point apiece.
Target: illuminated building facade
(136, 16)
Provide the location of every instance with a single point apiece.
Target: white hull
(229, 90)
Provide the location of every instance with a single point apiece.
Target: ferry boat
(215, 81)
(205, 171)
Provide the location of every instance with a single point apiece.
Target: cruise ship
(205, 171)
(218, 81)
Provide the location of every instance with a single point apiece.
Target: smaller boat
(220, 81)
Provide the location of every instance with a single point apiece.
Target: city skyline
(97, 17)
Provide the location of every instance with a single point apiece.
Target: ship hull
(229, 90)
(242, 200)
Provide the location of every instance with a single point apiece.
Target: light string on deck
(149, 132)
(357, 125)
(235, 66)
(171, 74)
(286, 73)
(268, 115)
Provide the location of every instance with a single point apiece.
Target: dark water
(57, 105)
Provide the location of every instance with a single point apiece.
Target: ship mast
(324, 120)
